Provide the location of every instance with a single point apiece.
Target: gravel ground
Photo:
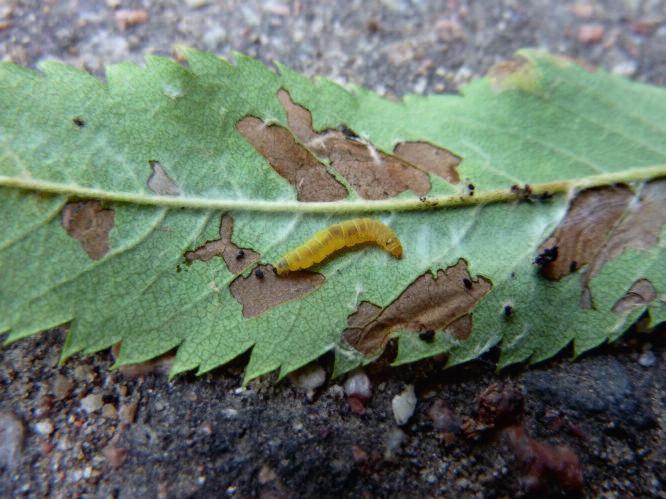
(83, 430)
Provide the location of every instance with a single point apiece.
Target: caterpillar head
(393, 246)
(281, 267)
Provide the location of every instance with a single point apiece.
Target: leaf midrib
(412, 204)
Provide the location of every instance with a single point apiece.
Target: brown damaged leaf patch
(263, 289)
(430, 158)
(159, 181)
(89, 223)
(584, 229)
(292, 161)
(234, 257)
(373, 174)
(641, 293)
(600, 225)
(443, 301)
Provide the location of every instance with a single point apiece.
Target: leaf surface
(148, 210)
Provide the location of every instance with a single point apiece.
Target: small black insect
(422, 199)
(508, 311)
(470, 189)
(349, 134)
(573, 266)
(259, 274)
(523, 193)
(79, 122)
(427, 336)
(178, 268)
(467, 283)
(545, 196)
(240, 255)
(547, 256)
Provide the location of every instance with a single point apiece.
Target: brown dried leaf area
(296, 154)
(292, 161)
(431, 302)
(159, 181)
(235, 258)
(263, 289)
(600, 225)
(89, 223)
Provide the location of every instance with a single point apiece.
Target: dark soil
(69, 431)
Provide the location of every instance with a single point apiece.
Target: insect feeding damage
(225, 248)
(601, 224)
(373, 174)
(292, 161)
(258, 294)
(331, 239)
(430, 303)
(159, 181)
(89, 223)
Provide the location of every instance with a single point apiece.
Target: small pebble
(359, 386)
(109, 411)
(309, 378)
(394, 441)
(647, 359)
(84, 373)
(590, 33)
(62, 387)
(127, 412)
(626, 68)
(404, 405)
(44, 428)
(11, 441)
(126, 18)
(92, 403)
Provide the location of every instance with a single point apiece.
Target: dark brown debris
(258, 294)
(89, 223)
(500, 405)
(234, 257)
(292, 161)
(159, 181)
(544, 467)
(430, 302)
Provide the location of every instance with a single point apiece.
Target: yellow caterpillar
(331, 239)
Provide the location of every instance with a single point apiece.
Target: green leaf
(163, 151)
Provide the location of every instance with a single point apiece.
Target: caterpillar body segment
(337, 236)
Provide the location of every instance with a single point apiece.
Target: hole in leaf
(235, 258)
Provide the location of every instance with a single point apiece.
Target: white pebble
(92, 403)
(647, 359)
(44, 427)
(309, 378)
(358, 385)
(404, 405)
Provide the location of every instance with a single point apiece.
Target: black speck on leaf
(78, 121)
(547, 256)
(467, 283)
(240, 255)
(259, 274)
(427, 336)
